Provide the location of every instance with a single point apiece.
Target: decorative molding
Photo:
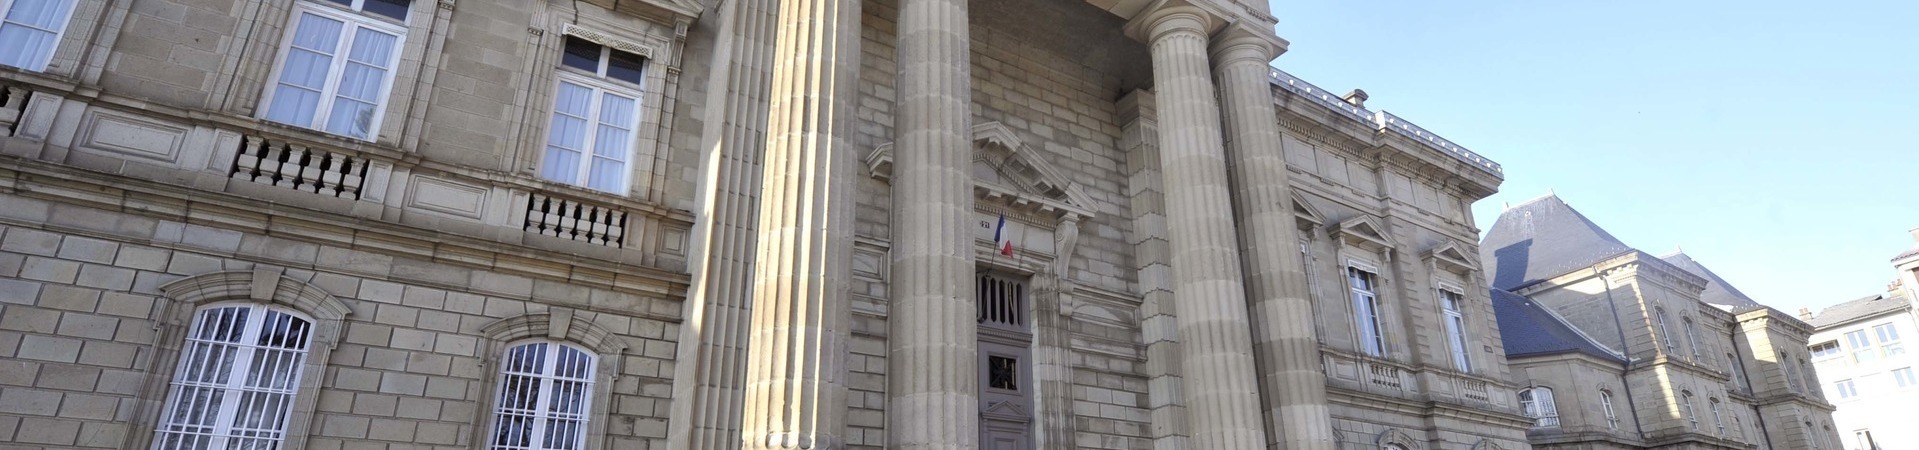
(1027, 183)
(557, 323)
(1363, 231)
(1450, 256)
(1308, 216)
(647, 50)
(1393, 436)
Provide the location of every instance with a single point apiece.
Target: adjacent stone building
(1859, 350)
(675, 224)
(1615, 348)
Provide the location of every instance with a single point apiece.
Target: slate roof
(1858, 309)
(1528, 329)
(1718, 291)
(1541, 239)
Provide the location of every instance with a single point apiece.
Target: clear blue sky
(1774, 141)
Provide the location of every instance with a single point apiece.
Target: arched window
(1718, 421)
(235, 384)
(1812, 436)
(545, 397)
(1663, 334)
(1605, 403)
(1538, 404)
(1692, 338)
(1686, 408)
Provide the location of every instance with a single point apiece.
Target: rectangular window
(1846, 389)
(1823, 350)
(1889, 339)
(1372, 339)
(1904, 377)
(1861, 346)
(30, 30)
(1455, 329)
(595, 117)
(336, 69)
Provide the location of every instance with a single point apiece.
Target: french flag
(1002, 240)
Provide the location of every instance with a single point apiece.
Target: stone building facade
(1859, 350)
(458, 224)
(1616, 348)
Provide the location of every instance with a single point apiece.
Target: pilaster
(1294, 400)
(933, 386)
(795, 393)
(712, 344)
(1221, 390)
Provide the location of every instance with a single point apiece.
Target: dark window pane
(625, 66)
(390, 8)
(346, 3)
(581, 54)
(1002, 373)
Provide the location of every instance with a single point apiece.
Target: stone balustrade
(575, 219)
(299, 167)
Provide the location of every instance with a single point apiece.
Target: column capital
(1175, 15)
(1241, 41)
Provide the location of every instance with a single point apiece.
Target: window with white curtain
(234, 388)
(1455, 329)
(595, 117)
(30, 30)
(545, 396)
(336, 66)
(1372, 338)
(1537, 403)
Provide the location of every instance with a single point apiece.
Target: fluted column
(796, 379)
(712, 368)
(1295, 401)
(1221, 388)
(932, 380)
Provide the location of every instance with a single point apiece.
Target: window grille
(545, 397)
(239, 371)
(1002, 302)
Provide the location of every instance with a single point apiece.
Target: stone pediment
(1363, 231)
(1008, 174)
(1308, 216)
(1006, 411)
(1451, 257)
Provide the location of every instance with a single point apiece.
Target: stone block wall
(80, 331)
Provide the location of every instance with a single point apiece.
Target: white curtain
(31, 30)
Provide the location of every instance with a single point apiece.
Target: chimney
(1358, 98)
(1805, 314)
(1914, 231)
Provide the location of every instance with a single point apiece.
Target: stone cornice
(44, 180)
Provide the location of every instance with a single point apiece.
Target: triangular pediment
(1363, 231)
(1006, 410)
(1307, 215)
(1006, 173)
(1451, 256)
